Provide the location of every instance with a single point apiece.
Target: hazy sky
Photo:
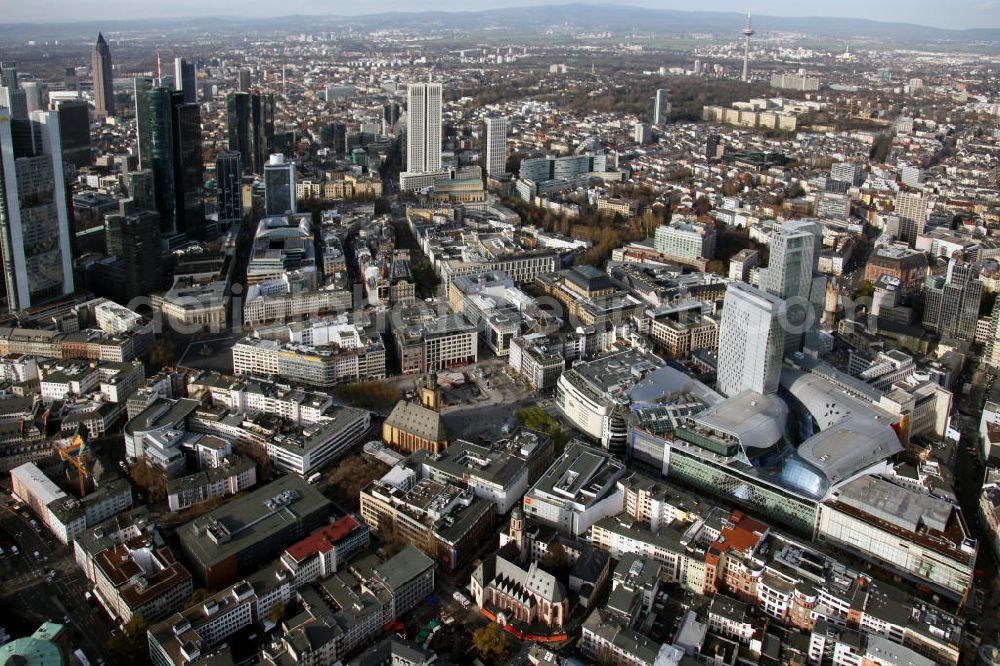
(940, 13)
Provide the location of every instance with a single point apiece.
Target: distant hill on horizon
(614, 18)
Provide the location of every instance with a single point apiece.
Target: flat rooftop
(251, 518)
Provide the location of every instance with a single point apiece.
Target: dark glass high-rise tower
(100, 69)
(238, 126)
(250, 124)
(74, 127)
(229, 177)
(262, 119)
(169, 133)
(185, 80)
(189, 167)
(135, 239)
(244, 80)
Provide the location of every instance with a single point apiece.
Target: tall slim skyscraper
(100, 71)
(189, 167)
(751, 341)
(34, 212)
(791, 275)
(262, 125)
(423, 128)
(169, 133)
(913, 211)
(238, 127)
(496, 145)
(229, 177)
(250, 125)
(185, 80)
(747, 34)
(244, 80)
(660, 107)
(279, 186)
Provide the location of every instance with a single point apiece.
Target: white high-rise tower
(423, 128)
(34, 215)
(496, 146)
(747, 33)
(751, 341)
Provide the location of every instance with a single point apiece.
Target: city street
(32, 595)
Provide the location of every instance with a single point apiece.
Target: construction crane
(76, 454)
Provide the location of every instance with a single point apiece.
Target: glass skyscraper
(169, 133)
(34, 212)
(250, 126)
(229, 179)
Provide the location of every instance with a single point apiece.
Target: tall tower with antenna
(747, 33)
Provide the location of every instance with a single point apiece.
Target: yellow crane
(75, 454)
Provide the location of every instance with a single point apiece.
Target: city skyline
(965, 15)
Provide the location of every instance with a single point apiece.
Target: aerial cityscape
(545, 335)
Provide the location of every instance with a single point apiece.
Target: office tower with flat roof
(100, 71)
(36, 96)
(34, 212)
(135, 239)
(496, 145)
(16, 101)
(12, 96)
(139, 185)
(390, 117)
(154, 128)
(238, 127)
(423, 128)
(189, 167)
(338, 137)
(751, 341)
(185, 80)
(8, 74)
(911, 176)
(912, 209)
(229, 179)
(791, 275)
(169, 133)
(74, 128)
(794, 259)
(262, 129)
(250, 126)
(951, 303)
(660, 111)
(642, 133)
(847, 172)
(244, 80)
(279, 186)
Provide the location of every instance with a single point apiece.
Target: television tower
(747, 32)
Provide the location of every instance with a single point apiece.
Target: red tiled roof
(324, 539)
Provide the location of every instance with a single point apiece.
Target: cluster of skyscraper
(760, 326)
